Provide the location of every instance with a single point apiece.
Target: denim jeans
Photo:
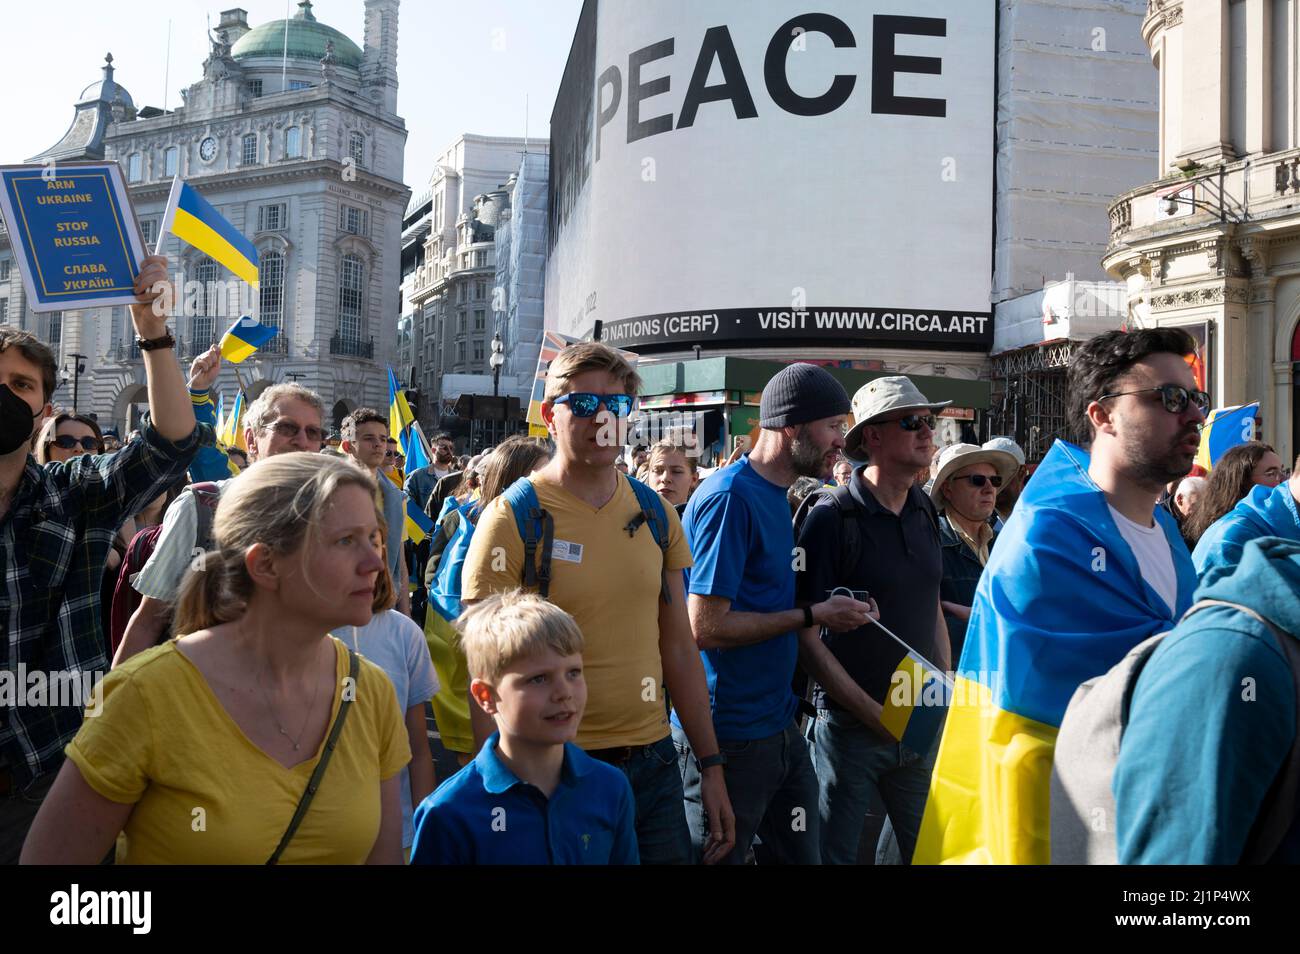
(773, 793)
(661, 833)
(17, 812)
(860, 773)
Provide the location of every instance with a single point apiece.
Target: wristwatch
(153, 344)
(718, 758)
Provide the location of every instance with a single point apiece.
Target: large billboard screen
(747, 173)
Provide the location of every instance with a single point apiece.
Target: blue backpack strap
(652, 508)
(535, 527)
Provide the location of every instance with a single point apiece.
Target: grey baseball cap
(883, 396)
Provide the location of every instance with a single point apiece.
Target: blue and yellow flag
(418, 524)
(1224, 429)
(232, 428)
(244, 337)
(192, 219)
(403, 428)
(1061, 600)
(917, 701)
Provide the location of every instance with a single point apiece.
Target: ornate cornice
(1198, 297)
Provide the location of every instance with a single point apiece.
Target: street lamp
(498, 358)
(79, 368)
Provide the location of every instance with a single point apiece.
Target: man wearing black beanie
(743, 615)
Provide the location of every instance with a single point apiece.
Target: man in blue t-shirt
(743, 615)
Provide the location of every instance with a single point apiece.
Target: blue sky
(462, 66)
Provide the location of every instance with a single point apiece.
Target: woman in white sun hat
(965, 491)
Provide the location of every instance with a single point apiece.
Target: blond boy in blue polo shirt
(530, 796)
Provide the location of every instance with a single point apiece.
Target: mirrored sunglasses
(585, 404)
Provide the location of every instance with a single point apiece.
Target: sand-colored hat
(877, 398)
(960, 456)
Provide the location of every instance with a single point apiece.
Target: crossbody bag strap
(354, 666)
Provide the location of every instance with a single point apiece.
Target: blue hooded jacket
(1212, 719)
(1264, 512)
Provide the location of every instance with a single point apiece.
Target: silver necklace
(276, 719)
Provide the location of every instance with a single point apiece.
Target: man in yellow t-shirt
(609, 579)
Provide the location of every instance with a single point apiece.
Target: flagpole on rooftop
(284, 56)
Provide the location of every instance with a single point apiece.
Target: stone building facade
(292, 134)
(450, 274)
(1213, 244)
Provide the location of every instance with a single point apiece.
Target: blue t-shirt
(741, 536)
(484, 815)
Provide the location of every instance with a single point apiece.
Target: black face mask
(16, 421)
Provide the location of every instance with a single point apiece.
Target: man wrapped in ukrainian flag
(1086, 568)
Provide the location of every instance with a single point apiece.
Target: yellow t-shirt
(610, 587)
(205, 794)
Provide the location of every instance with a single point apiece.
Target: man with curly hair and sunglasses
(606, 568)
(1087, 567)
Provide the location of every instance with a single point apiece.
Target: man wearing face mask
(57, 524)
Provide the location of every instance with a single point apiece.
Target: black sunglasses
(913, 422)
(978, 480)
(68, 442)
(1175, 397)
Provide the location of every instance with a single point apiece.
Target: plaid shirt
(54, 543)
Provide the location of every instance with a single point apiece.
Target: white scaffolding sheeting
(1077, 124)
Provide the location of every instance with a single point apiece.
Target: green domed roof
(307, 39)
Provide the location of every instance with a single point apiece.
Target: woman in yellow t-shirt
(199, 750)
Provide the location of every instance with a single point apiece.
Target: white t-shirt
(1155, 558)
(395, 643)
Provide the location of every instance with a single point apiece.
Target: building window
(352, 220)
(207, 273)
(351, 285)
(480, 319)
(149, 230)
(4, 270)
(460, 292)
(295, 85)
(255, 88)
(437, 212)
(4, 309)
(460, 352)
(270, 218)
(480, 290)
(293, 143)
(460, 322)
(56, 328)
(478, 352)
(248, 150)
(171, 161)
(271, 288)
(134, 168)
(357, 149)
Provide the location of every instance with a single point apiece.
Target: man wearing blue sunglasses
(606, 568)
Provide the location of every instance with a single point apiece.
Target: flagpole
(173, 200)
(844, 590)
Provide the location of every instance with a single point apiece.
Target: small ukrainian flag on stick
(244, 337)
(193, 220)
